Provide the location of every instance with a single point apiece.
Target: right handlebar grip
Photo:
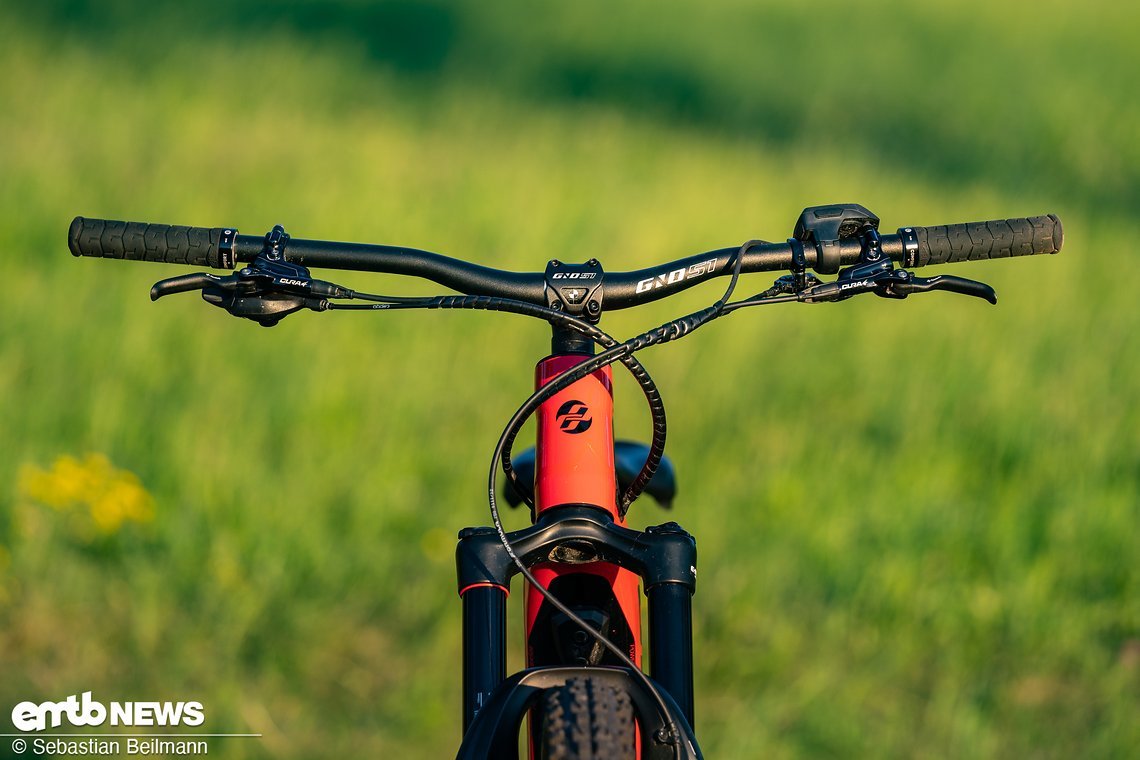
(138, 241)
(974, 241)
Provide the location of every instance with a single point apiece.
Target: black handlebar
(223, 248)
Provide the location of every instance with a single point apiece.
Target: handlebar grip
(975, 241)
(166, 243)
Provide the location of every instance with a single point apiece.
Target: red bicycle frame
(575, 465)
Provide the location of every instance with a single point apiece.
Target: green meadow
(918, 522)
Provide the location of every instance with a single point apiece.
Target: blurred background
(917, 520)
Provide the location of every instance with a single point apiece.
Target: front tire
(585, 720)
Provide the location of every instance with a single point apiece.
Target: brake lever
(266, 291)
(183, 284)
(901, 284)
(894, 283)
(266, 297)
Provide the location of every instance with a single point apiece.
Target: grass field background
(917, 520)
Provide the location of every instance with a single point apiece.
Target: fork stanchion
(671, 642)
(484, 646)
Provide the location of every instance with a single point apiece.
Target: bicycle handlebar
(223, 248)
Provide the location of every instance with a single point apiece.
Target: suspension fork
(664, 556)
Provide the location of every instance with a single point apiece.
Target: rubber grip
(138, 241)
(997, 239)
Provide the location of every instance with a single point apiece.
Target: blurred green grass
(917, 521)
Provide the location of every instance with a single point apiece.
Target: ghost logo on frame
(574, 417)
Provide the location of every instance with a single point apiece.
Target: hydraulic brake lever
(903, 284)
(249, 294)
(876, 273)
(266, 291)
(896, 283)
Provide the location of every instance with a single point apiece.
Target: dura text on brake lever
(863, 277)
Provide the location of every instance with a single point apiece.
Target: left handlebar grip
(164, 243)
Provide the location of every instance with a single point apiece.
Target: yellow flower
(91, 486)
